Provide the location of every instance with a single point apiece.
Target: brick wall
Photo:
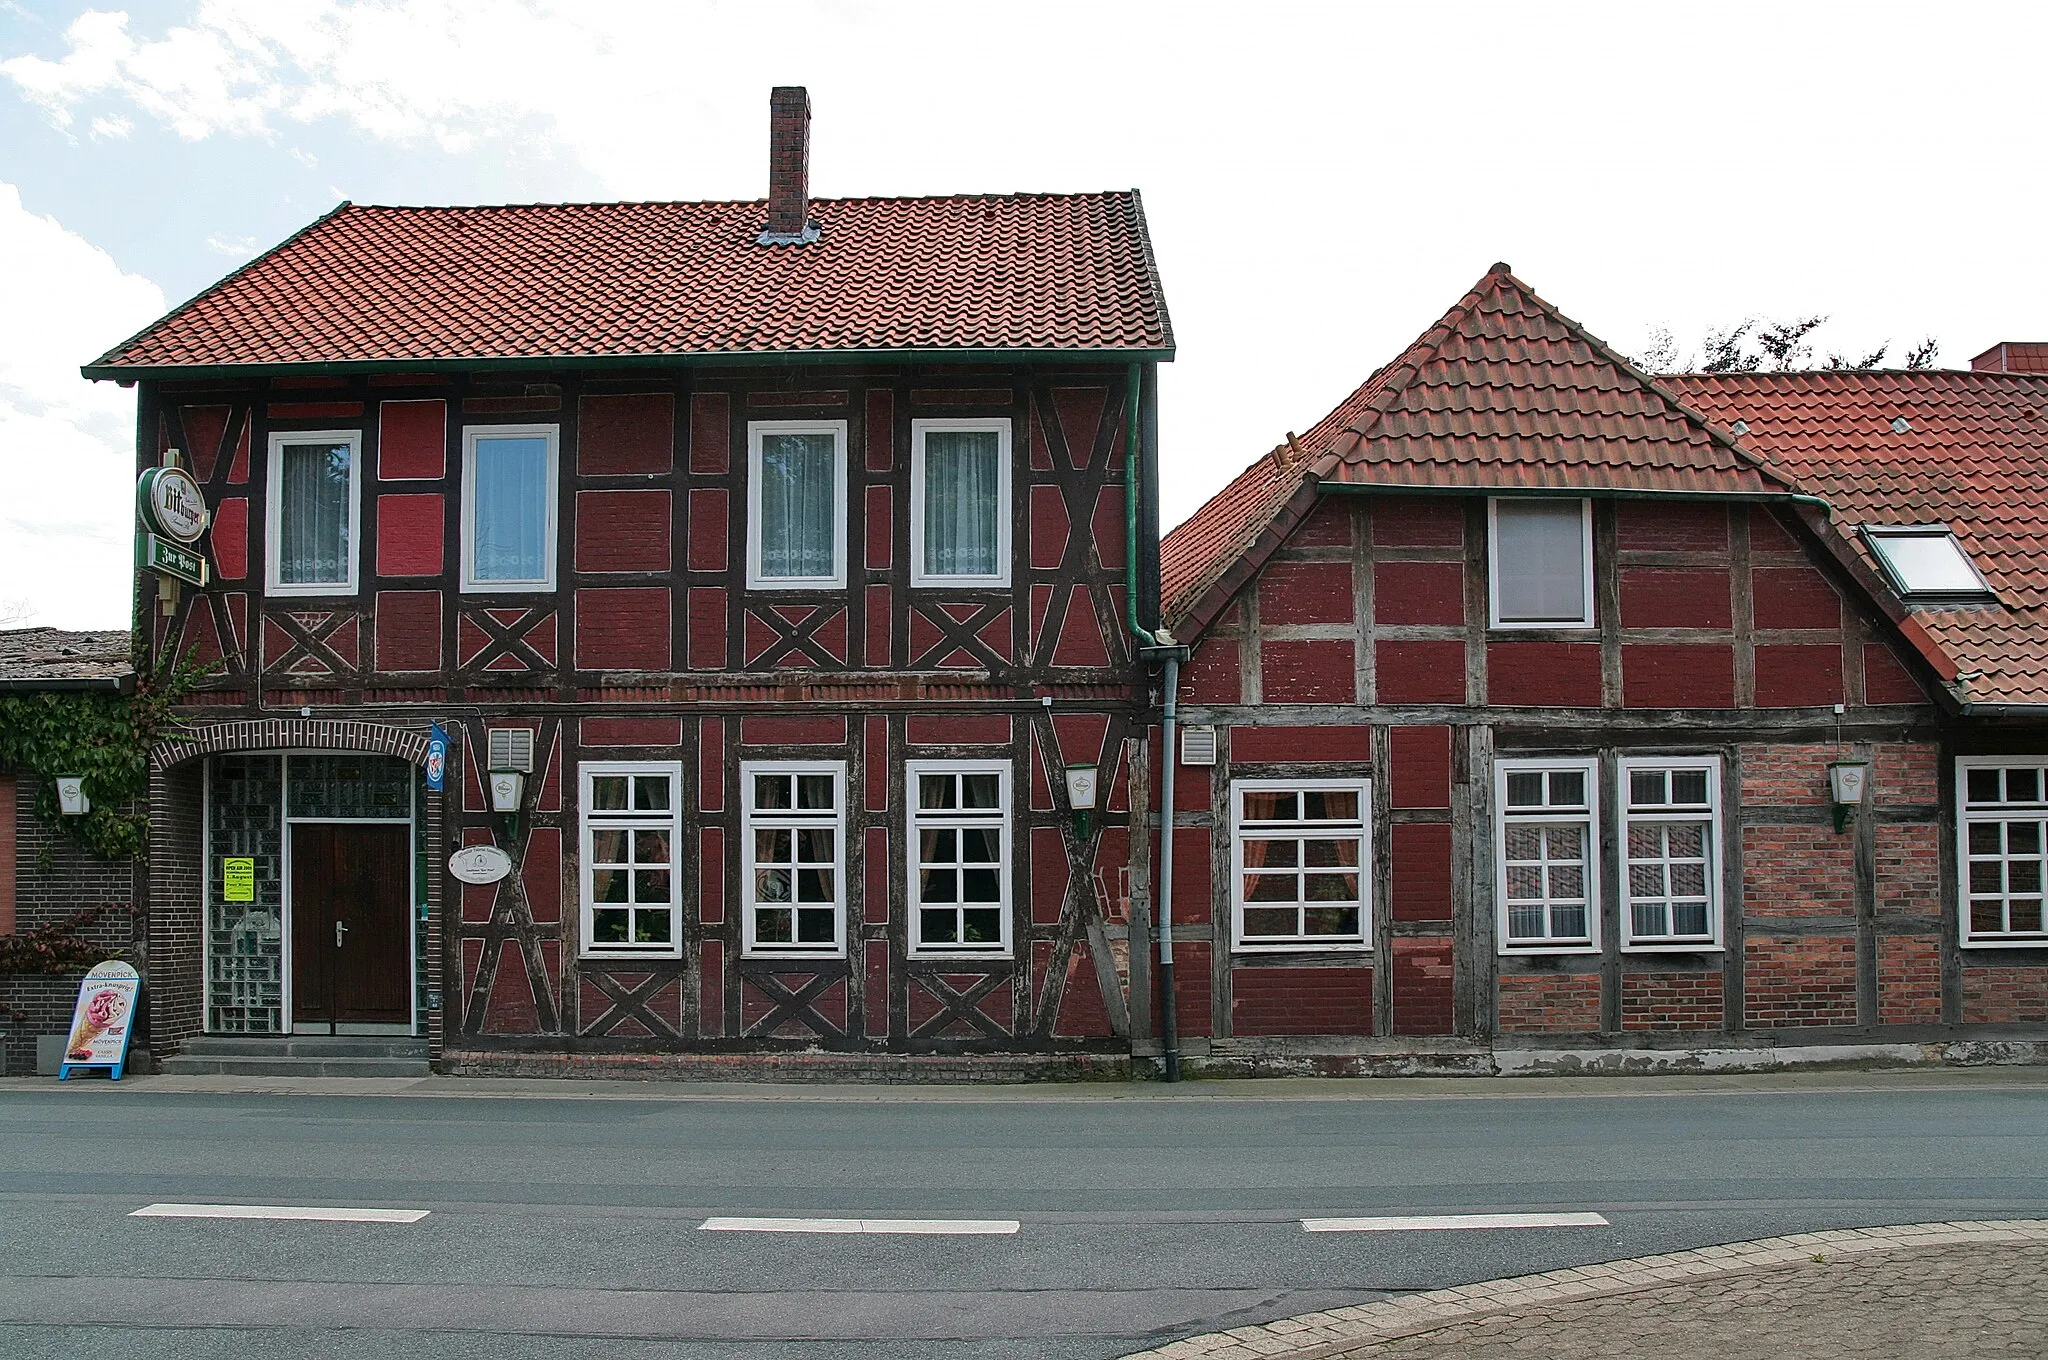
(2004, 996)
(1301, 1001)
(1804, 980)
(1674, 1001)
(1549, 1003)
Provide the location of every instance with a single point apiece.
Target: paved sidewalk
(1935, 1291)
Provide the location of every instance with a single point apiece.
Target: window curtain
(961, 480)
(798, 497)
(1542, 570)
(511, 509)
(313, 545)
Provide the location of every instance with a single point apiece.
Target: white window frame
(631, 821)
(1503, 817)
(1301, 944)
(1493, 566)
(1005, 871)
(1004, 511)
(273, 526)
(756, 579)
(1876, 535)
(471, 434)
(2004, 812)
(751, 818)
(1716, 843)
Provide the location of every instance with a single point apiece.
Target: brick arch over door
(280, 734)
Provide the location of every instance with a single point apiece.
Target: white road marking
(960, 1227)
(1440, 1222)
(280, 1211)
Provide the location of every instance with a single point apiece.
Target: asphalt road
(563, 1227)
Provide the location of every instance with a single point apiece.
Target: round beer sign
(170, 504)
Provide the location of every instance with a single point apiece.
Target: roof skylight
(1924, 561)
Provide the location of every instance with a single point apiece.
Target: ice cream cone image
(102, 1013)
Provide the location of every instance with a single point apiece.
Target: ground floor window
(794, 838)
(1548, 831)
(959, 856)
(1299, 855)
(1671, 850)
(632, 833)
(2004, 826)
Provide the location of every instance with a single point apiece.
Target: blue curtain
(511, 528)
(961, 480)
(798, 500)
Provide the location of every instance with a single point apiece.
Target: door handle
(339, 929)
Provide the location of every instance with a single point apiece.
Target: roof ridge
(738, 202)
(1408, 357)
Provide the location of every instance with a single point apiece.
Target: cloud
(67, 446)
(111, 128)
(234, 247)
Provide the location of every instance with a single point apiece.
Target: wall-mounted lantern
(1081, 796)
(1847, 780)
(508, 789)
(71, 798)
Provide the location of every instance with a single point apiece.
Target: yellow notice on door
(238, 879)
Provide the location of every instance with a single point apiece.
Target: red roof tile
(1974, 456)
(368, 285)
(2013, 356)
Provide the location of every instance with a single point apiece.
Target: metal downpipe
(1169, 1021)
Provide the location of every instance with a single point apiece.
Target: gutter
(106, 684)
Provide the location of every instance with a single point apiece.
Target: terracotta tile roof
(1974, 456)
(1204, 547)
(2013, 356)
(51, 658)
(366, 285)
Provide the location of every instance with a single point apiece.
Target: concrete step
(276, 1046)
(189, 1065)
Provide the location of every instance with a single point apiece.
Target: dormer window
(1925, 563)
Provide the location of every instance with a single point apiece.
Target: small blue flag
(437, 758)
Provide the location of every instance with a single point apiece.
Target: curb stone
(1316, 1336)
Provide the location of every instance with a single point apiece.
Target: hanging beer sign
(170, 504)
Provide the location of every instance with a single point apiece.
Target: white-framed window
(1540, 553)
(1547, 836)
(315, 504)
(796, 504)
(632, 844)
(2003, 826)
(508, 506)
(958, 853)
(1299, 854)
(1924, 561)
(1671, 853)
(793, 829)
(960, 502)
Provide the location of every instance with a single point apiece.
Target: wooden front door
(351, 924)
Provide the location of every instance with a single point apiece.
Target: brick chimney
(789, 167)
(2013, 356)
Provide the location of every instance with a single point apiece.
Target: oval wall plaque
(480, 864)
(170, 503)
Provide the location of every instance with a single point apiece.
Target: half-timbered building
(1543, 713)
(772, 563)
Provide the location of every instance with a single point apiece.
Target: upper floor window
(1671, 852)
(796, 504)
(960, 502)
(794, 840)
(508, 507)
(315, 512)
(1541, 553)
(1548, 834)
(632, 837)
(2004, 825)
(959, 846)
(1300, 852)
(1924, 561)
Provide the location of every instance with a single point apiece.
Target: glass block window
(1299, 851)
(632, 836)
(1548, 834)
(795, 872)
(245, 940)
(1670, 854)
(350, 787)
(959, 857)
(2004, 826)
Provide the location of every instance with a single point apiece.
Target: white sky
(1322, 181)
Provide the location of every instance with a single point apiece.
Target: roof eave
(106, 684)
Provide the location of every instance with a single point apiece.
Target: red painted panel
(1308, 672)
(1798, 676)
(541, 873)
(1080, 414)
(709, 527)
(878, 619)
(623, 530)
(1422, 986)
(710, 432)
(1107, 524)
(1082, 1014)
(231, 538)
(875, 876)
(1301, 1000)
(410, 531)
(1260, 745)
(1418, 522)
(707, 628)
(1080, 634)
(314, 410)
(621, 432)
(1080, 737)
(1192, 989)
(1048, 875)
(1305, 592)
(711, 875)
(711, 764)
(1418, 592)
(632, 731)
(711, 989)
(999, 635)
(1767, 535)
(875, 757)
(1532, 674)
(238, 472)
(1678, 675)
(1422, 871)
(412, 440)
(1192, 890)
(881, 527)
(1670, 526)
(511, 1008)
(1420, 672)
(1041, 600)
(792, 731)
(1669, 597)
(1214, 675)
(623, 628)
(1327, 526)
(989, 729)
(1795, 597)
(1886, 680)
(881, 449)
(408, 630)
(201, 638)
(1041, 451)
(205, 428)
(1420, 758)
(1049, 526)
(875, 1002)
